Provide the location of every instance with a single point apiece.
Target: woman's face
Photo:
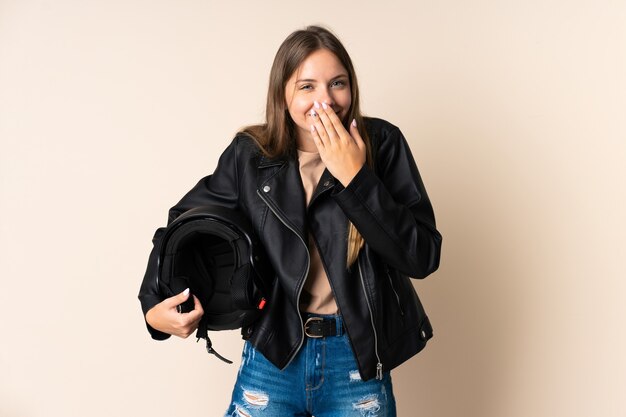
(321, 77)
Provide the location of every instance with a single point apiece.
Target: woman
(338, 203)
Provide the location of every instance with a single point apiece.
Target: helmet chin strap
(203, 333)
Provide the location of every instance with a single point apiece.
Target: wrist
(347, 178)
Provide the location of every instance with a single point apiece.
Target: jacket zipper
(394, 290)
(308, 265)
(379, 365)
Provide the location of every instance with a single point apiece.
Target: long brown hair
(276, 137)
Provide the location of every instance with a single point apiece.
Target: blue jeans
(322, 381)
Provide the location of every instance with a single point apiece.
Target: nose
(325, 96)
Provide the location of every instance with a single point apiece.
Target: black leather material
(320, 327)
(381, 312)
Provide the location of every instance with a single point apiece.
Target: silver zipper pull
(379, 371)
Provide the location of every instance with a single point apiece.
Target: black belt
(322, 327)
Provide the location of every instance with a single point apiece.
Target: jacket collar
(279, 182)
(265, 162)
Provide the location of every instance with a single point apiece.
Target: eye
(339, 83)
(306, 87)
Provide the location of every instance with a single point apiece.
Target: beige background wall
(111, 110)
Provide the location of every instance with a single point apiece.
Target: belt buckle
(306, 327)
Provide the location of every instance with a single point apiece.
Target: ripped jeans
(322, 381)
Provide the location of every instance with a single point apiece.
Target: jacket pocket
(394, 290)
(406, 313)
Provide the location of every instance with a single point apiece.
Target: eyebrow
(309, 80)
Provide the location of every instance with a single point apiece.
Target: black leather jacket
(383, 316)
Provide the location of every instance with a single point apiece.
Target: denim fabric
(322, 381)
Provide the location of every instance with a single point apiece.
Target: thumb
(178, 298)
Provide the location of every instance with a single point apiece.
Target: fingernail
(312, 128)
(324, 105)
(316, 104)
(186, 292)
(354, 122)
(313, 113)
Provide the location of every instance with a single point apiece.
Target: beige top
(317, 296)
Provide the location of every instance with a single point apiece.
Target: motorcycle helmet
(213, 251)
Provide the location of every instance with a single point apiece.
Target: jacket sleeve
(221, 188)
(391, 210)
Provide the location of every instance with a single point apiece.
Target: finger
(188, 326)
(195, 314)
(317, 139)
(341, 131)
(189, 322)
(197, 306)
(186, 330)
(320, 129)
(193, 327)
(177, 299)
(326, 122)
(354, 132)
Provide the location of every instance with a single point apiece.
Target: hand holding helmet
(211, 252)
(166, 317)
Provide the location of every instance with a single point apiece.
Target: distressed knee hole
(354, 376)
(368, 406)
(242, 413)
(257, 399)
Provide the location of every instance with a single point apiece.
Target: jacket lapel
(280, 184)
